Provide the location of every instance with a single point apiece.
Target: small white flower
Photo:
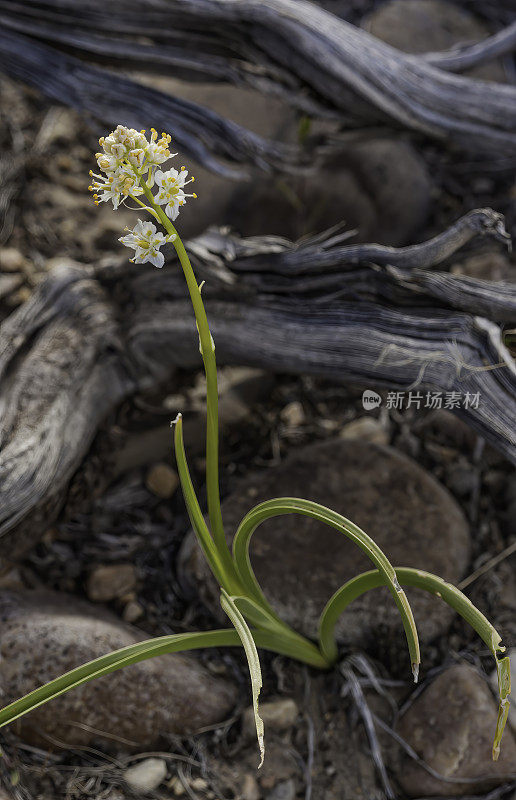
(146, 242)
(157, 150)
(117, 184)
(107, 163)
(171, 190)
(136, 157)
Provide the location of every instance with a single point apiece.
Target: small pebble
(109, 582)
(176, 786)
(367, 429)
(132, 612)
(11, 579)
(22, 295)
(199, 784)
(293, 414)
(162, 481)
(277, 715)
(11, 260)
(250, 790)
(146, 775)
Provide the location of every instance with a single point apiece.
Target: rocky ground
(120, 564)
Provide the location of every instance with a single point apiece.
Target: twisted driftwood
(289, 48)
(90, 337)
(202, 134)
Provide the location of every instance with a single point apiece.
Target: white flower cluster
(130, 165)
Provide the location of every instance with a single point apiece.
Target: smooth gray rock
(300, 563)
(43, 635)
(427, 26)
(381, 187)
(451, 727)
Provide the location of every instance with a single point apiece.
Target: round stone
(428, 26)
(451, 726)
(381, 187)
(43, 635)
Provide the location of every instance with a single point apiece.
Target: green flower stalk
(130, 165)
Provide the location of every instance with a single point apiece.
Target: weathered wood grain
(289, 48)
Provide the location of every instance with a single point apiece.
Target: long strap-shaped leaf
(249, 645)
(141, 651)
(293, 505)
(440, 588)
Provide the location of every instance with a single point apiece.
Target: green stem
(212, 400)
(146, 208)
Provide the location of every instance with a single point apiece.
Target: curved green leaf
(248, 643)
(293, 505)
(440, 588)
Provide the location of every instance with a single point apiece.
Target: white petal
(172, 211)
(129, 240)
(158, 176)
(157, 260)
